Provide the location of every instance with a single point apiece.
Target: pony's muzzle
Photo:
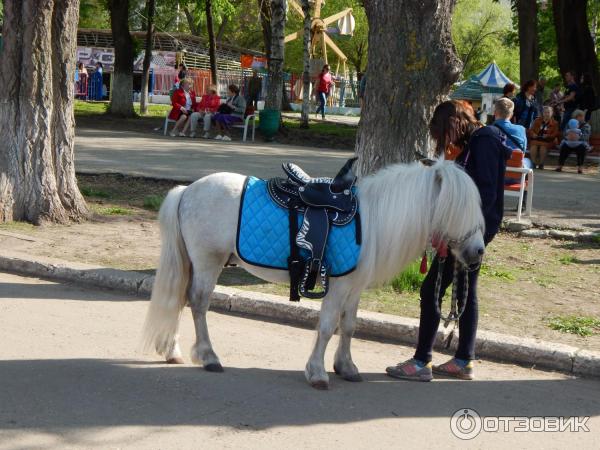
(472, 257)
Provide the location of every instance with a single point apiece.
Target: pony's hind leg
(343, 364)
(204, 279)
(173, 353)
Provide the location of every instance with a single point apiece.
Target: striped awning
(492, 77)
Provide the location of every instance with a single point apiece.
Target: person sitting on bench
(206, 109)
(574, 140)
(184, 102)
(230, 113)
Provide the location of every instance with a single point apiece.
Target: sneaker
(541, 167)
(172, 134)
(455, 368)
(182, 134)
(579, 171)
(558, 169)
(218, 137)
(206, 136)
(192, 135)
(411, 370)
(226, 138)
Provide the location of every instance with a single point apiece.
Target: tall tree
(37, 171)
(275, 85)
(121, 101)
(527, 13)
(264, 7)
(306, 73)
(212, 46)
(150, 9)
(412, 65)
(575, 44)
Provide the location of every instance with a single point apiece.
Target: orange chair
(522, 180)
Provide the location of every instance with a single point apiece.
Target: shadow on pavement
(68, 394)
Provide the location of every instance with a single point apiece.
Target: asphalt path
(71, 377)
(559, 199)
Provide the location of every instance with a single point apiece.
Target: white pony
(401, 208)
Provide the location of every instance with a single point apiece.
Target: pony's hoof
(175, 360)
(355, 377)
(320, 385)
(215, 367)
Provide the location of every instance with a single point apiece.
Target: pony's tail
(169, 293)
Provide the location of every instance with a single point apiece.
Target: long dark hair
(453, 123)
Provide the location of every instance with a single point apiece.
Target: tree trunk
(265, 22)
(529, 50)
(150, 8)
(411, 65)
(224, 23)
(275, 85)
(575, 45)
(121, 98)
(212, 46)
(37, 171)
(193, 26)
(306, 73)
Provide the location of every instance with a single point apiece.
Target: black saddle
(325, 202)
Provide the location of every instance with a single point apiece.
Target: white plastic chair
(166, 125)
(245, 126)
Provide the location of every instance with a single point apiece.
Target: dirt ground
(524, 282)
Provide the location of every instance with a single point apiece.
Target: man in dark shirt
(570, 98)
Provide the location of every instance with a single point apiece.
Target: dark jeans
(322, 100)
(430, 318)
(565, 151)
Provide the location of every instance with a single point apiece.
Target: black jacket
(484, 159)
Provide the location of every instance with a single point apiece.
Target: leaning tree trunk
(275, 85)
(150, 8)
(411, 50)
(37, 172)
(529, 49)
(575, 45)
(212, 46)
(306, 73)
(121, 98)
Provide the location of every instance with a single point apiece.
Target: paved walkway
(562, 199)
(70, 378)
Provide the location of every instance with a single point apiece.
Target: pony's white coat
(401, 208)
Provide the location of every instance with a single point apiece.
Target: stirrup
(308, 270)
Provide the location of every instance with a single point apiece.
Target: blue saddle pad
(263, 234)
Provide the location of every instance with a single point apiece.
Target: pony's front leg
(328, 319)
(343, 364)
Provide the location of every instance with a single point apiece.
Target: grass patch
(596, 239)
(88, 191)
(409, 280)
(16, 226)
(153, 202)
(114, 211)
(567, 259)
(496, 273)
(87, 108)
(580, 325)
(332, 129)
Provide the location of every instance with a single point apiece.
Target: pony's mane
(403, 205)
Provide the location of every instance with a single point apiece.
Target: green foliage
(496, 273)
(409, 280)
(581, 326)
(93, 14)
(482, 30)
(567, 259)
(114, 211)
(153, 202)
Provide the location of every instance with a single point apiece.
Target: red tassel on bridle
(440, 246)
(423, 268)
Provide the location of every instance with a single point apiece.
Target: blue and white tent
(492, 77)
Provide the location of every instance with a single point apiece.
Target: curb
(370, 325)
